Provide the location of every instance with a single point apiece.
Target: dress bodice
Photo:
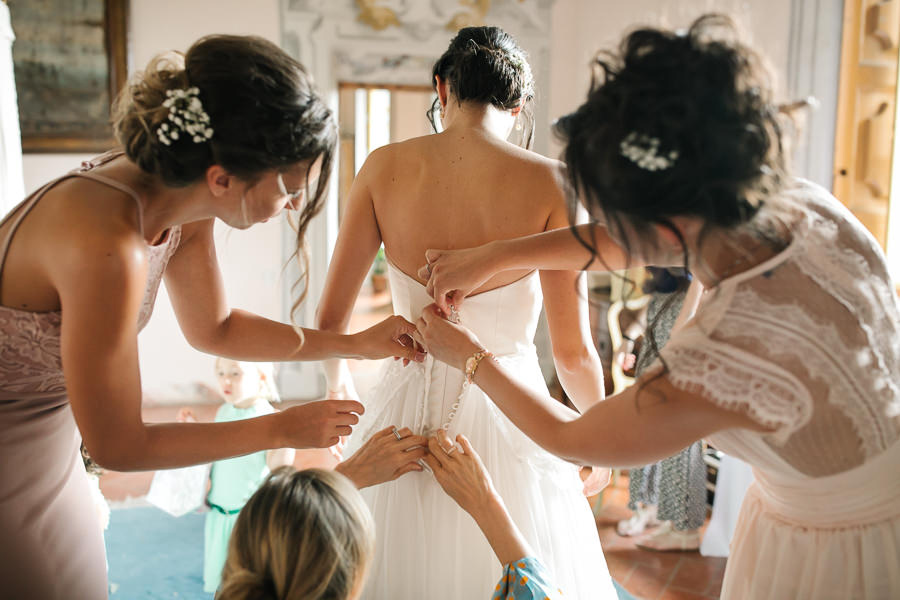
(504, 319)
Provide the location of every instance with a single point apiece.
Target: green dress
(232, 482)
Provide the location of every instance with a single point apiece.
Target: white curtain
(12, 184)
(734, 477)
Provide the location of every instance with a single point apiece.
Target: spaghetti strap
(18, 214)
(119, 186)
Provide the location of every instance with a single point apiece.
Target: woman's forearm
(646, 423)
(539, 417)
(582, 380)
(560, 250)
(247, 336)
(172, 445)
(501, 532)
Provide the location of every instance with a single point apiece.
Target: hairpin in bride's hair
(185, 114)
(643, 150)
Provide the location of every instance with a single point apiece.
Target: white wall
(582, 27)
(251, 261)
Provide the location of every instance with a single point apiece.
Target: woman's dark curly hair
(486, 65)
(704, 96)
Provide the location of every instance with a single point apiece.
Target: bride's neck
(482, 118)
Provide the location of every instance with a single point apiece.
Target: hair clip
(643, 150)
(186, 115)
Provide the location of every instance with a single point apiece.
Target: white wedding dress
(427, 547)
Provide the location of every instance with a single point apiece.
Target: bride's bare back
(460, 189)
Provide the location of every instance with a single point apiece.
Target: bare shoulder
(548, 174)
(406, 153)
(83, 224)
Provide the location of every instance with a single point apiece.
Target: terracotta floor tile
(653, 575)
(715, 587)
(620, 567)
(672, 593)
(646, 582)
(696, 572)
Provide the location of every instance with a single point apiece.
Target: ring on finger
(396, 433)
(450, 450)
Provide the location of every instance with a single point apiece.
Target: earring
(441, 112)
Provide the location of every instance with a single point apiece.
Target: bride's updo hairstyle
(303, 535)
(263, 111)
(485, 65)
(675, 124)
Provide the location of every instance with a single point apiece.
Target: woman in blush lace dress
(222, 132)
(464, 186)
(791, 361)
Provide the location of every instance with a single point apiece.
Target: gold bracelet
(473, 361)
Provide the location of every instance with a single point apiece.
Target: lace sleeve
(737, 380)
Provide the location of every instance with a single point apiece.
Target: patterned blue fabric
(526, 579)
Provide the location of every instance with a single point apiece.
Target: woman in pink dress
(791, 361)
(232, 131)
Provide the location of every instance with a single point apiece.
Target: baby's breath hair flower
(186, 115)
(643, 150)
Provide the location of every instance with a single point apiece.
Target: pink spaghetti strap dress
(51, 544)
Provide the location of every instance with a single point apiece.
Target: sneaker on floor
(643, 518)
(668, 539)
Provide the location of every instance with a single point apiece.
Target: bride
(464, 187)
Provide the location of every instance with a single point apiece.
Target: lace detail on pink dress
(807, 343)
(797, 331)
(739, 381)
(29, 352)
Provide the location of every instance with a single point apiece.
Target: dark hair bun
(484, 64)
(262, 107)
(701, 97)
(487, 66)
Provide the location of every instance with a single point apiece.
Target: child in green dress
(248, 389)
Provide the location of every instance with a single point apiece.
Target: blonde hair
(265, 371)
(304, 535)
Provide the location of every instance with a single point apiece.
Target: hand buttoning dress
(428, 547)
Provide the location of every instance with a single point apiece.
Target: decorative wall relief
(422, 19)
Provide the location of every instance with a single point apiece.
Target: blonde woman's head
(304, 535)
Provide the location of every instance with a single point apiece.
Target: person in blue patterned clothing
(459, 471)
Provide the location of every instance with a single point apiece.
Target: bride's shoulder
(404, 151)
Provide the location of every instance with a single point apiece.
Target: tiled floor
(647, 575)
(653, 575)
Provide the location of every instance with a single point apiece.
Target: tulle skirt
(427, 547)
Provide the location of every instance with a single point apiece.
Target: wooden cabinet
(864, 143)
